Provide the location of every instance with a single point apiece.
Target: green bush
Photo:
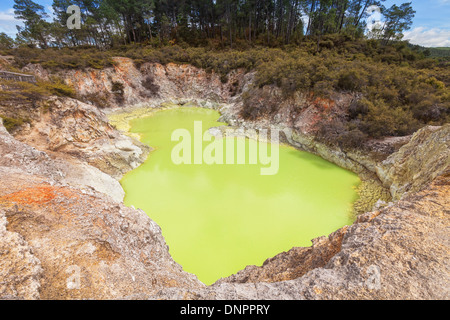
(25, 92)
(350, 80)
(11, 124)
(57, 87)
(385, 121)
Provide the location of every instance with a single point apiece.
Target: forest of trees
(107, 23)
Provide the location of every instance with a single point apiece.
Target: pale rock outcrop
(37, 70)
(61, 242)
(70, 127)
(292, 264)
(417, 163)
(20, 270)
(20, 157)
(151, 81)
(86, 177)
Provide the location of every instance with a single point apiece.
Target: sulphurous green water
(219, 218)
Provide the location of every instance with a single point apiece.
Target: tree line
(107, 23)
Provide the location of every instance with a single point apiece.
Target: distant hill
(440, 52)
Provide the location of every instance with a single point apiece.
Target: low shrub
(57, 87)
(25, 92)
(11, 124)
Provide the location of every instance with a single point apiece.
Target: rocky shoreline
(66, 235)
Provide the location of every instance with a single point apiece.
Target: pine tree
(33, 15)
(397, 20)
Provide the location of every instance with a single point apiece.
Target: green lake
(219, 218)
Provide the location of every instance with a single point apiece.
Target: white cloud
(8, 22)
(51, 12)
(429, 37)
(7, 15)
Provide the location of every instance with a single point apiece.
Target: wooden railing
(17, 77)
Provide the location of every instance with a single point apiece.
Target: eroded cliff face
(151, 82)
(78, 130)
(417, 163)
(63, 242)
(60, 200)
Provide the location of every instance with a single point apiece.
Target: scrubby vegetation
(25, 92)
(62, 58)
(397, 90)
(396, 87)
(439, 53)
(12, 124)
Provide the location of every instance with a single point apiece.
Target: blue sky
(431, 26)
